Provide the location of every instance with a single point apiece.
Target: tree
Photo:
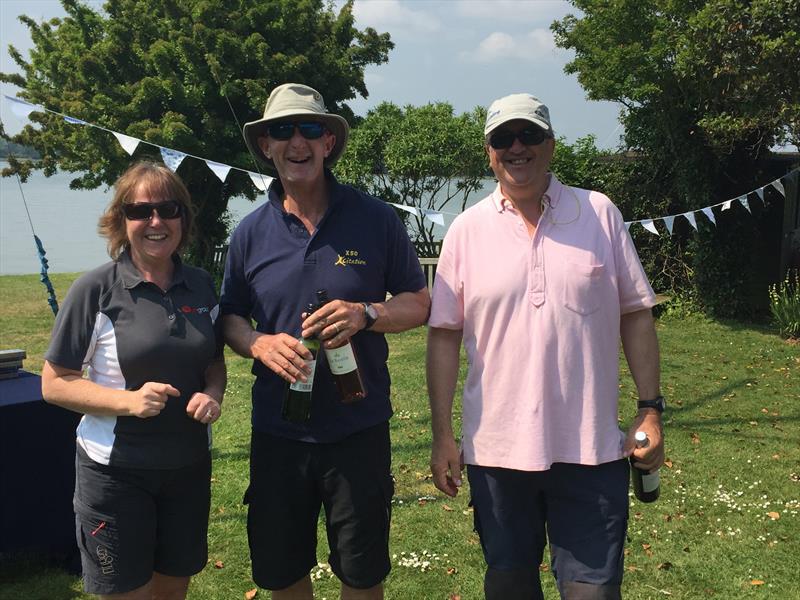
(708, 87)
(423, 157)
(164, 71)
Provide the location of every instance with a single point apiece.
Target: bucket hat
(517, 106)
(301, 102)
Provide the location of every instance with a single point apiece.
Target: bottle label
(650, 482)
(307, 386)
(341, 360)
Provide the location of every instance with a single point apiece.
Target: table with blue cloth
(37, 471)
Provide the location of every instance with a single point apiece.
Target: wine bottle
(297, 401)
(646, 485)
(343, 365)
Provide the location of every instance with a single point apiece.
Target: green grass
(733, 447)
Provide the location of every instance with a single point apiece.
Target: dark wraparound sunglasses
(530, 136)
(284, 131)
(143, 211)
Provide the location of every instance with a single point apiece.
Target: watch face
(371, 312)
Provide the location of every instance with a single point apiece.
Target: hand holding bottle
(282, 353)
(651, 457)
(335, 322)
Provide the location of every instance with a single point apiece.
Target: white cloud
(498, 45)
(395, 17)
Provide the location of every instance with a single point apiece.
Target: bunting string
(173, 158)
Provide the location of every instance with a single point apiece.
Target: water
(66, 222)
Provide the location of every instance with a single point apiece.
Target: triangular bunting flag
(690, 217)
(726, 205)
(172, 158)
(760, 193)
(710, 214)
(262, 182)
(778, 185)
(668, 221)
(434, 216)
(410, 209)
(650, 226)
(20, 107)
(127, 142)
(74, 121)
(744, 202)
(628, 225)
(220, 170)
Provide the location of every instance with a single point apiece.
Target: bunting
(173, 158)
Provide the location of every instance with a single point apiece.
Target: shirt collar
(276, 191)
(131, 277)
(551, 197)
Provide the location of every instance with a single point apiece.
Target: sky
(465, 52)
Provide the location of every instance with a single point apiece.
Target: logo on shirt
(350, 257)
(200, 310)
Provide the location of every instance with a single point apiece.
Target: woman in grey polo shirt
(144, 329)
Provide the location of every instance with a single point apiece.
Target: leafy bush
(784, 303)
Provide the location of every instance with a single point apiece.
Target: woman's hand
(203, 408)
(150, 399)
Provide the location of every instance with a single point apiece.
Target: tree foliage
(425, 157)
(164, 71)
(708, 87)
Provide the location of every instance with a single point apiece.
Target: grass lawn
(726, 525)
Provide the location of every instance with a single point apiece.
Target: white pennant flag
(726, 205)
(410, 209)
(127, 142)
(744, 202)
(710, 214)
(262, 182)
(778, 185)
(690, 217)
(172, 158)
(219, 169)
(434, 216)
(650, 226)
(668, 221)
(760, 193)
(20, 107)
(628, 225)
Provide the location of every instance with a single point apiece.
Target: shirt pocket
(582, 287)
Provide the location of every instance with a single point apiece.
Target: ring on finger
(336, 327)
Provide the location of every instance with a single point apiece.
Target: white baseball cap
(517, 106)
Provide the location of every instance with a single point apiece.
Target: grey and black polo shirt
(125, 331)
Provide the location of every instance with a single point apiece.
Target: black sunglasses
(143, 211)
(284, 131)
(530, 136)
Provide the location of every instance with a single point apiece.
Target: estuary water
(66, 222)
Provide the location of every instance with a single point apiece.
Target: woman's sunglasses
(143, 211)
(284, 131)
(530, 136)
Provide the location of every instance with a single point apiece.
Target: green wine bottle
(297, 401)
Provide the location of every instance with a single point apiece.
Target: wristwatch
(370, 314)
(658, 403)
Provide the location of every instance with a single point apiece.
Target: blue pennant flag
(51, 293)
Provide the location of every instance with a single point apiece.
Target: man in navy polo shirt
(314, 233)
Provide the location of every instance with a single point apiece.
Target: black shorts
(132, 522)
(581, 509)
(290, 481)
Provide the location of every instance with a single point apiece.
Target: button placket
(536, 282)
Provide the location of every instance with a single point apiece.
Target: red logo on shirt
(199, 310)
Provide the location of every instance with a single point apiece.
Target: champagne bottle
(297, 401)
(646, 485)
(343, 364)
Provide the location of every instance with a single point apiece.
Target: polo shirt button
(171, 317)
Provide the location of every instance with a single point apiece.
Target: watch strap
(657, 403)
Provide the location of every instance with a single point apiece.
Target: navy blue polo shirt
(125, 331)
(359, 252)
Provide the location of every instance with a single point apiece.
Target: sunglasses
(530, 136)
(284, 131)
(143, 211)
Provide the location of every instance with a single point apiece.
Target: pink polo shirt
(540, 319)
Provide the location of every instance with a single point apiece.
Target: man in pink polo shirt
(540, 281)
